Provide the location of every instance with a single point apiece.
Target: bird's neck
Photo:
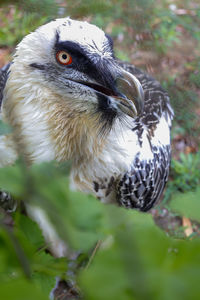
(74, 133)
(46, 126)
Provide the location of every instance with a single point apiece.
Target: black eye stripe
(72, 48)
(94, 69)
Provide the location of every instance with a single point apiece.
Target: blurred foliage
(184, 100)
(136, 259)
(45, 7)
(194, 74)
(185, 172)
(147, 24)
(129, 263)
(187, 204)
(22, 23)
(155, 21)
(185, 176)
(184, 97)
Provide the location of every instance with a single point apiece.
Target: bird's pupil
(64, 56)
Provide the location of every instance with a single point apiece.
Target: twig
(98, 244)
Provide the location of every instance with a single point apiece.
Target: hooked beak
(127, 95)
(131, 95)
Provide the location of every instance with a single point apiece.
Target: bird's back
(156, 99)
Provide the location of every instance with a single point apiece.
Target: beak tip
(132, 93)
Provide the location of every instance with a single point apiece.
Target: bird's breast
(100, 174)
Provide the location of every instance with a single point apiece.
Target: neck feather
(48, 126)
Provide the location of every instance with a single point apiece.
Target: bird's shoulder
(156, 98)
(4, 73)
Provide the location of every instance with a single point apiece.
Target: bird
(68, 98)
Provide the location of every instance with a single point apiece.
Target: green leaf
(46, 269)
(44, 281)
(187, 204)
(141, 262)
(21, 290)
(12, 179)
(75, 223)
(48, 187)
(120, 265)
(30, 230)
(85, 223)
(46, 264)
(13, 253)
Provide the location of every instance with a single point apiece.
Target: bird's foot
(7, 202)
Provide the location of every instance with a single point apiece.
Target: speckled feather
(143, 185)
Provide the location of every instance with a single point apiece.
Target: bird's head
(74, 60)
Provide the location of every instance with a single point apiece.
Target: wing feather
(143, 185)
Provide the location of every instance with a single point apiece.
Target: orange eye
(63, 58)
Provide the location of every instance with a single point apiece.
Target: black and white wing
(156, 99)
(143, 185)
